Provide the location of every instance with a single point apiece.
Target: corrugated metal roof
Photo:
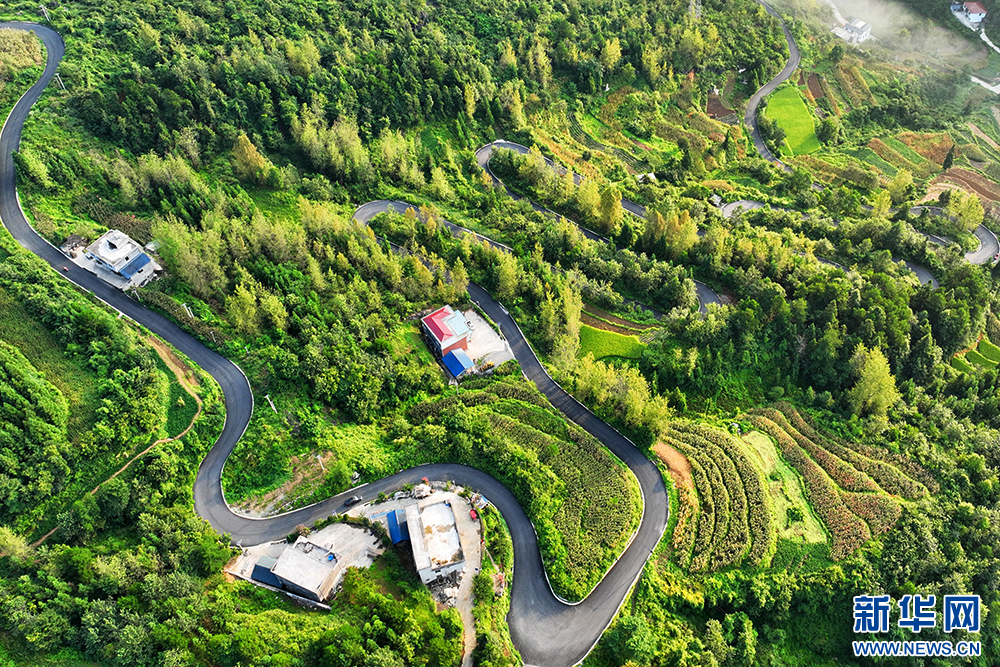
(398, 530)
(457, 362)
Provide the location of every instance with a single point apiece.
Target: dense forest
(828, 429)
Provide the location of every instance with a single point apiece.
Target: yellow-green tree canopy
(875, 390)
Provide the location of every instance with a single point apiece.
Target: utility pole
(188, 310)
(46, 12)
(59, 79)
(268, 397)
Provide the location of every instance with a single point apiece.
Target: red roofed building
(974, 11)
(446, 330)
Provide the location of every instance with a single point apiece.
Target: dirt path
(188, 380)
(982, 135)
(679, 467)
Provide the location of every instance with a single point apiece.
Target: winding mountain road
(706, 295)
(545, 630)
(750, 117)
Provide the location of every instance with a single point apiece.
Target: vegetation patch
(603, 344)
(786, 106)
(792, 516)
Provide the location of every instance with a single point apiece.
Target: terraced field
(727, 520)
(984, 355)
(854, 490)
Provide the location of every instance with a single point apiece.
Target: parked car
(353, 500)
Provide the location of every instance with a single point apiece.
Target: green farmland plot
(787, 108)
(608, 344)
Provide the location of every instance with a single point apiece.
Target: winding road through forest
(546, 630)
(706, 295)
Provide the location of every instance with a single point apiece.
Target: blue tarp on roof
(457, 361)
(133, 267)
(398, 531)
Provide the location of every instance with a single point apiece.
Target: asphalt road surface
(545, 630)
(750, 117)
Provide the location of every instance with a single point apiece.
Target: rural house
(446, 330)
(304, 568)
(434, 538)
(975, 12)
(118, 253)
(858, 30)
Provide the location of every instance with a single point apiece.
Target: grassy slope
(786, 492)
(608, 344)
(77, 383)
(786, 107)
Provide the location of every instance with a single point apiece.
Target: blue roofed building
(114, 251)
(458, 363)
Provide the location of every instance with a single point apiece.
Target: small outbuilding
(975, 12)
(458, 363)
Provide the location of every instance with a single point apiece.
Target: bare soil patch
(971, 181)
(680, 469)
(716, 109)
(815, 87)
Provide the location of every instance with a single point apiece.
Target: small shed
(262, 572)
(458, 363)
(399, 531)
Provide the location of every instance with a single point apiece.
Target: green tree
(241, 307)
(965, 208)
(611, 211)
(949, 159)
(588, 201)
(900, 186)
(882, 203)
(631, 640)
(875, 391)
(248, 163)
(506, 277)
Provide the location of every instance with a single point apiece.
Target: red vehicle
(473, 514)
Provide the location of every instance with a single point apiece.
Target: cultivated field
(787, 108)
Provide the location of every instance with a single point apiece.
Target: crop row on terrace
(847, 531)
(908, 468)
(761, 529)
(842, 473)
(733, 522)
(886, 475)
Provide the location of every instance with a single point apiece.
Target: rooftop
(446, 325)
(306, 565)
(115, 248)
(975, 8)
(859, 25)
(440, 545)
(457, 362)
